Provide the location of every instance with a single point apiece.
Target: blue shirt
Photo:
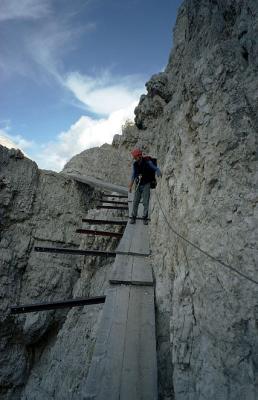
(150, 164)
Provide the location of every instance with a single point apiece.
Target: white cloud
(39, 55)
(84, 134)
(14, 141)
(28, 9)
(101, 95)
(113, 103)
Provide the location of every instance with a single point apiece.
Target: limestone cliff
(199, 118)
(45, 355)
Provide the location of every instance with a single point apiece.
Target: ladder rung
(75, 252)
(104, 221)
(112, 207)
(99, 233)
(57, 304)
(114, 202)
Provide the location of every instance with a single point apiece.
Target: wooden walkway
(124, 362)
(135, 240)
(131, 270)
(89, 180)
(124, 365)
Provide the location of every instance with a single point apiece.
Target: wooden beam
(99, 233)
(25, 308)
(104, 221)
(75, 252)
(89, 180)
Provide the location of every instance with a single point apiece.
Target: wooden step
(132, 270)
(135, 240)
(124, 364)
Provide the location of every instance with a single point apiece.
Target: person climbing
(143, 173)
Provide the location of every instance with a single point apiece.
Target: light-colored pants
(142, 191)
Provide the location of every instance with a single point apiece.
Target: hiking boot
(145, 222)
(132, 220)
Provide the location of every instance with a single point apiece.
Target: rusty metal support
(114, 202)
(75, 252)
(112, 207)
(99, 233)
(115, 195)
(104, 221)
(25, 308)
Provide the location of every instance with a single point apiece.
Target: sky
(72, 71)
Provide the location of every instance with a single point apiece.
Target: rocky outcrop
(151, 106)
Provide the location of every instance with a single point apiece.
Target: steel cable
(201, 250)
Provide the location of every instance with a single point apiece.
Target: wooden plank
(140, 238)
(125, 242)
(89, 180)
(124, 363)
(98, 362)
(122, 270)
(104, 377)
(110, 388)
(139, 374)
(131, 270)
(135, 240)
(142, 271)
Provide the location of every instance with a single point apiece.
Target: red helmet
(136, 152)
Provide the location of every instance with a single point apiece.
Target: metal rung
(114, 202)
(99, 233)
(115, 195)
(57, 304)
(75, 252)
(112, 207)
(104, 221)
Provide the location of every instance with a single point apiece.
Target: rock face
(206, 139)
(41, 353)
(199, 118)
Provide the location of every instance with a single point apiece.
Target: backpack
(153, 182)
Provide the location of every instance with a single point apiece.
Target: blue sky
(72, 71)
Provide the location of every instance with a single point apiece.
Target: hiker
(143, 173)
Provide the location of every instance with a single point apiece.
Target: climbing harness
(139, 178)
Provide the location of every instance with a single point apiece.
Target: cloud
(84, 134)
(14, 141)
(104, 94)
(37, 49)
(25, 9)
(40, 49)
